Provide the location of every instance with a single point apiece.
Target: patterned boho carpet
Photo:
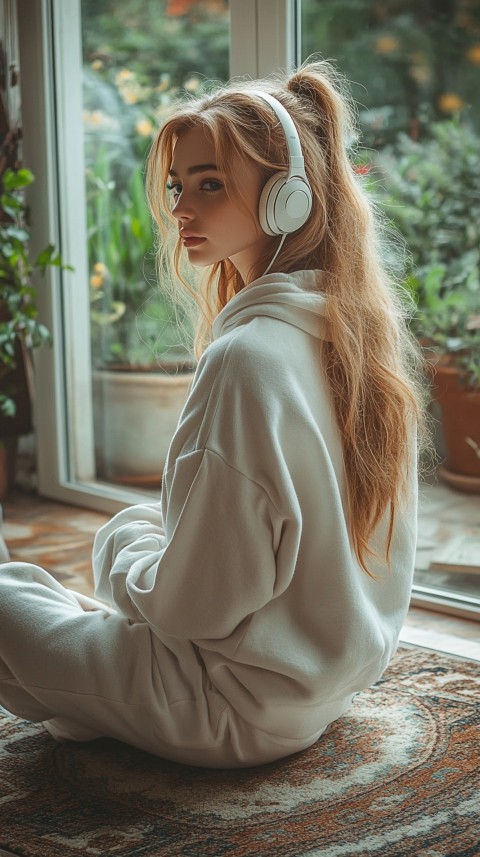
(396, 777)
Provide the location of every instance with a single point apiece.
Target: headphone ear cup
(285, 204)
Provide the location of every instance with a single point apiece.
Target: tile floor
(59, 537)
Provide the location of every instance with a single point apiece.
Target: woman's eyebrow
(197, 168)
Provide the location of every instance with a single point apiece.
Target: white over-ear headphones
(286, 200)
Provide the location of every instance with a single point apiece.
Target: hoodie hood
(294, 298)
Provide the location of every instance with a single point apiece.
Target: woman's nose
(182, 210)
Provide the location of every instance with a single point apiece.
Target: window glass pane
(138, 56)
(410, 63)
(414, 69)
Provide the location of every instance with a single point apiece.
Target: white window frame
(263, 39)
(265, 36)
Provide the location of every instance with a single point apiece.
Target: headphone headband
(296, 165)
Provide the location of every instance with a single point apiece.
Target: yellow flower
(96, 281)
(96, 65)
(420, 73)
(129, 97)
(123, 75)
(164, 82)
(192, 84)
(144, 127)
(386, 44)
(97, 117)
(450, 102)
(474, 54)
(100, 268)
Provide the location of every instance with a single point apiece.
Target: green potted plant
(141, 342)
(448, 326)
(142, 362)
(431, 191)
(20, 328)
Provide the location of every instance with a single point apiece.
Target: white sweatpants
(95, 673)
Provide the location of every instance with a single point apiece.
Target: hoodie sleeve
(216, 564)
(134, 537)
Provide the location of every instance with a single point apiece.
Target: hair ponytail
(371, 361)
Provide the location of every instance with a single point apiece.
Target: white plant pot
(135, 416)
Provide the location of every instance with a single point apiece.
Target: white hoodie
(249, 558)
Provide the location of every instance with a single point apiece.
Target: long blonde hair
(370, 359)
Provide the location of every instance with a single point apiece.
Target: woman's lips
(192, 241)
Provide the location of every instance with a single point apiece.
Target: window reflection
(139, 56)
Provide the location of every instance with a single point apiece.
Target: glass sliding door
(138, 57)
(121, 363)
(414, 70)
(110, 391)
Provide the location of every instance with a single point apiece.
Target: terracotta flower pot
(460, 412)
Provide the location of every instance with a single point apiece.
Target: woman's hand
(90, 604)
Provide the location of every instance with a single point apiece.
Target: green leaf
(45, 257)
(10, 204)
(15, 179)
(7, 406)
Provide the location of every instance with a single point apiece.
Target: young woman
(270, 584)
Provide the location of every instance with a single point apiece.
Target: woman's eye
(211, 185)
(175, 189)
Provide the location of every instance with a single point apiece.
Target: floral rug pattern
(398, 776)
